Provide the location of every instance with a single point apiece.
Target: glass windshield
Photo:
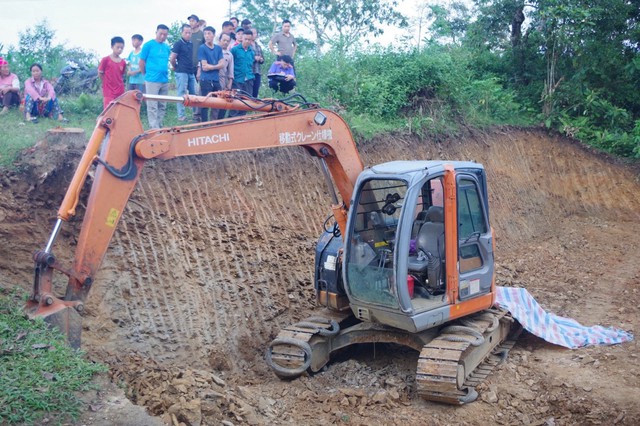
(370, 268)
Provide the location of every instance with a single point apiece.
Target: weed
(39, 372)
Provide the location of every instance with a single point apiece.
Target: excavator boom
(119, 147)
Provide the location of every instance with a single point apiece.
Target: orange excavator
(408, 259)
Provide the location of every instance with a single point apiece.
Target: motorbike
(75, 79)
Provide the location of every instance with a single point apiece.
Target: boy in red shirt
(112, 71)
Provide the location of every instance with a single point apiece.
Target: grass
(39, 373)
(16, 134)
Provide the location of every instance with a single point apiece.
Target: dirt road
(215, 254)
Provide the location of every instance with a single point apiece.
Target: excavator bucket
(64, 318)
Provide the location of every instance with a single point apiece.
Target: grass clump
(39, 373)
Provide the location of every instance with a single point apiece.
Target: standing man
(211, 61)
(112, 70)
(9, 87)
(226, 73)
(181, 59)
(243, 57)
(284, 43)
(197, 40)
(227, 28)
(258, 60)
(136, 78)
(154, 63)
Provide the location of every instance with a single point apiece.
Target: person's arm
(172, 60)
(29, 89)
(231, 71)
(142, 66)
(51, 92)
(272, 47)
(101, 67)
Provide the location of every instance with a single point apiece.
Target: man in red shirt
(112, 70)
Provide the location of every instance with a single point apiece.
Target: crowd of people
(203, 61)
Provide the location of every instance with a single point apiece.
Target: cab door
(475, 245)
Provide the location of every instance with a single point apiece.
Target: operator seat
(430, 247)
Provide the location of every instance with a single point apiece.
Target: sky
(90, 24)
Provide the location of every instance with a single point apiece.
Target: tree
(338, 23)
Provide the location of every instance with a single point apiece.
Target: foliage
(37, 45)
(337, 23)
(426, 90)
(40, 373)
(576, 61)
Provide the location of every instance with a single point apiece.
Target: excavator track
(452, 361)
(462, 356)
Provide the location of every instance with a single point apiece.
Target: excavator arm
(119, 148)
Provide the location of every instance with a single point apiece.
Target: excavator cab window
(370, 270)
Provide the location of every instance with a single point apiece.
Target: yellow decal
(381, 244)
(112, 217)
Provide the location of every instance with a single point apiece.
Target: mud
(215, 254)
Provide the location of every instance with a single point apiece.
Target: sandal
(33, 120)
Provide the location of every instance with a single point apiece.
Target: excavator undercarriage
(453, 359)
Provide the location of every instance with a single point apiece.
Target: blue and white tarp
(553, 328)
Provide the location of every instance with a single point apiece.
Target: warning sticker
(112, 217)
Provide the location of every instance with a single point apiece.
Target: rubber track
(440, 367)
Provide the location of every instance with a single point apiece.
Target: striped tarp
(553, 328)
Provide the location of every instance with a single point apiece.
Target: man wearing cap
(9, 87)
(197, 40)
(243, 57)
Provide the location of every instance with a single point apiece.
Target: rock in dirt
(188, 413)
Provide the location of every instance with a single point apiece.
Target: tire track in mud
(207, 244)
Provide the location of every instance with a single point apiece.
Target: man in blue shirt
(154, 63)
(243, 57)
(211, 61)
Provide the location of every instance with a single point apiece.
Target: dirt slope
(215, 254)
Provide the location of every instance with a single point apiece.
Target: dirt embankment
(215, 254)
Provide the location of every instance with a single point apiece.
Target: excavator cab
(398, 270)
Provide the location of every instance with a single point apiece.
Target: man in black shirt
(181, 60)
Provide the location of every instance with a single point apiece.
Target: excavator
(406, 256)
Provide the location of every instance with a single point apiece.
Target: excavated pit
(214, 255)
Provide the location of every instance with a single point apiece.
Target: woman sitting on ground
(40, 98)
(9, 87)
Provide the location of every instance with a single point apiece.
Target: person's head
(4, 67)
(36, 71)
(185, 32)
(117, 45)
(247, 38)
(162, 31)
(209, 35)
(193, 22)
(286, 26)
(224, 40)
(136, 40)
(227, 27)
(234, 21)
(286, 61)
(246, 24)
(202, 24)
(239, 34)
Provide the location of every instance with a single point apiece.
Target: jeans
(207, 86)
(246, 86)
(155, 109)
(185, 83)
(257, 79)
